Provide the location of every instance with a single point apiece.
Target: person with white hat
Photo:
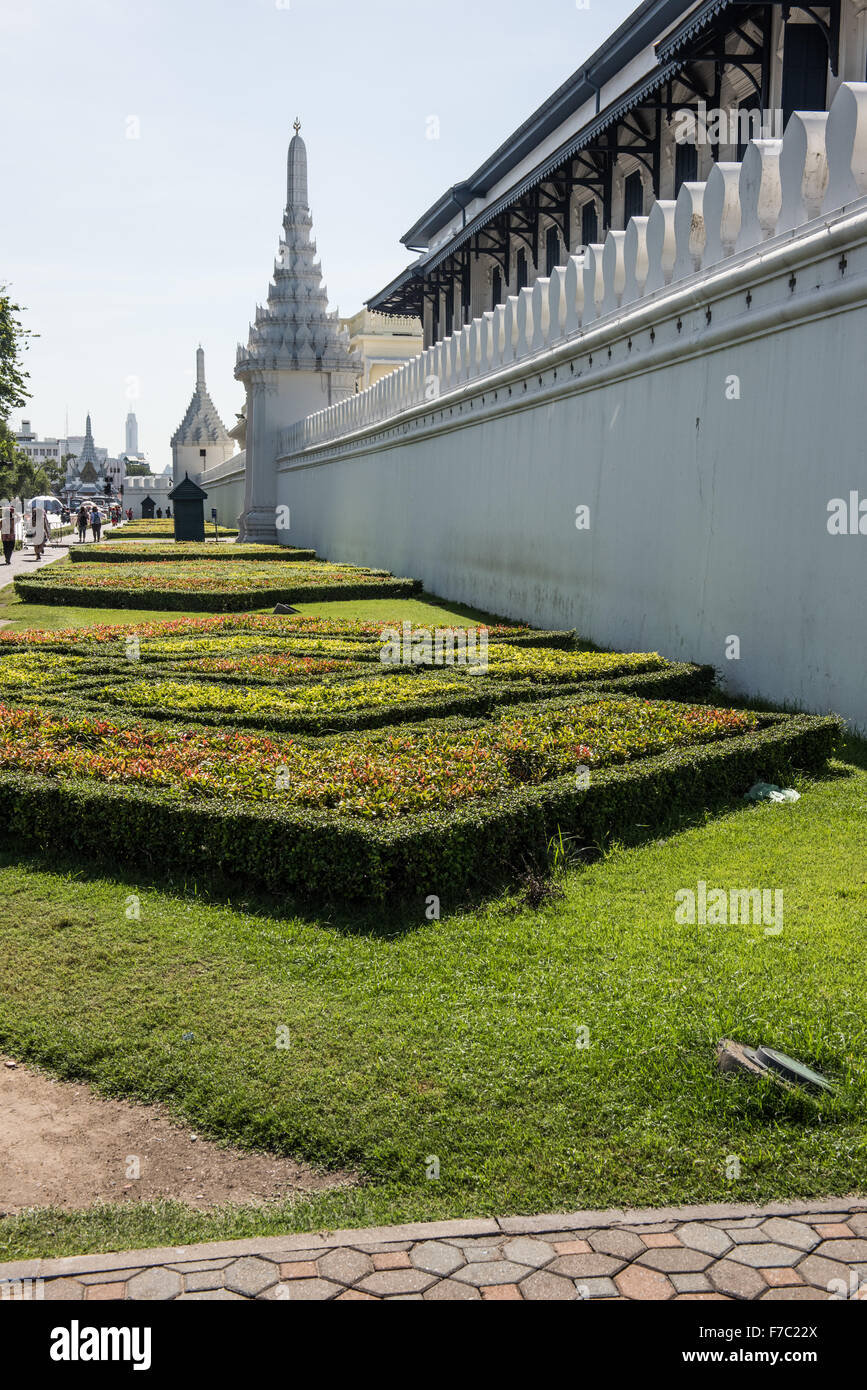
(7, 531)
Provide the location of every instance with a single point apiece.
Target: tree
(18, 473)
(137, 470)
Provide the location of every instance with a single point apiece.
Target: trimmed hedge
(185, 550)
(320, 853)
(33, 590)
(159, 527)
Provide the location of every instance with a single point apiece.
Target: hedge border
(92, 555)
(420, 854)
(32, 590)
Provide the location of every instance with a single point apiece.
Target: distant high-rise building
(131, 434)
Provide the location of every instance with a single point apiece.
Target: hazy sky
(127, 252)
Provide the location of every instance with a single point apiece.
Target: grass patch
(457, 1037)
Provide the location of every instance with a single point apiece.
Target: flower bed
(226, 631)
(161, 528)
(430, 811)
(381, 778)
(131, 553)
(205, 585)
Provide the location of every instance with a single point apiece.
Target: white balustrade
(689, 232)
(818, 167)
(613, 272)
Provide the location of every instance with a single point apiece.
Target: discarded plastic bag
(766, 791)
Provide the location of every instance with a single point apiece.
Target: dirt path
(61, 1145)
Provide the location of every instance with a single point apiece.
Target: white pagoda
(297, 359)
(201, 440)
(86, 474)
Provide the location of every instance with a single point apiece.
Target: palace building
(610, 140)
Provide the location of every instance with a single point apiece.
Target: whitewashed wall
(224, 485)
(699, 383)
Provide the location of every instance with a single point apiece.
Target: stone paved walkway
(807, 1250)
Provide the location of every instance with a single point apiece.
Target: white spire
(201, 424)
(296, 172)
(294, 329)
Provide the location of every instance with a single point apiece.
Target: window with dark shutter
(633, 197)
(552, 249)
(521, 270)
(805, 69)
(685, 166)
(496, 288)
(589, 225)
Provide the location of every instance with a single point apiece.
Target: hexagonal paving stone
(597, 1288)
(792, 1294)
(681, 1260)
(548, 1287)
(62, 1290)
(820, 1272)
(211, 1295)
(345, 1266)
(251, 1275)
(747, 1235)
(846, 1251)
(153, 1284)
(396, 1281)
(586, 1266)
(449, 1290)
(434, 1257)
(736, 1279)
(302, 1291)
(780, 1278)
(199, 1279)
(858, 1222)
(639, 1282)
(757, 1256)
(500, 1293)
(691, 1283)
(624, 1244)
(786, 1232)
(491, 1272)
(698, 1236)
(525, 1251)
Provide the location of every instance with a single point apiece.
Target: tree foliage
(19, 475)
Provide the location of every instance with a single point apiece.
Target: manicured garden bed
(160, 528)
(100, 788)
(130, 552)
(208, 585)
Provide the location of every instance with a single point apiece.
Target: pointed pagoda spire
(296, 172)
(88, 452)
(294, 330)
(202, 423)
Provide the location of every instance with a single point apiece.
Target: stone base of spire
(258, 526)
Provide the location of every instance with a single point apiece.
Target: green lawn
(19, 615)
(457, 1038)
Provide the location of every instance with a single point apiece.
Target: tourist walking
(96, 523)
(160, 513)
(41, 530)
(7, 530)
(81, 522)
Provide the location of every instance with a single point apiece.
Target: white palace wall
(707, 426)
